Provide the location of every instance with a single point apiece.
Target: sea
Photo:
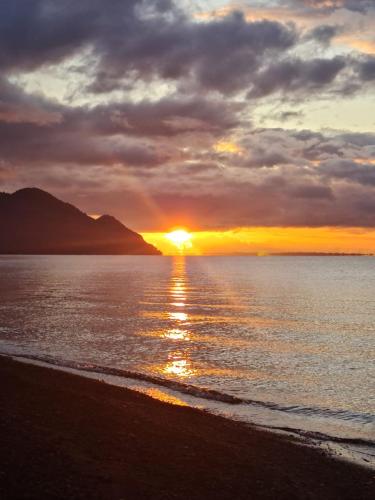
(286, 343)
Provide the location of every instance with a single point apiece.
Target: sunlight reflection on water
(178, 363)
(297, 331)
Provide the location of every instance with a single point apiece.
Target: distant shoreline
(285, 254)
(65, 436)
(301, 254)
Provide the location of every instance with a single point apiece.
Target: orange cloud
(250, 13)
(365, 161)
(227, 147)
(365, 46)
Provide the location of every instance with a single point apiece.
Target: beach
(65, 436)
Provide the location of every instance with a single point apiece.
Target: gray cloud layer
(149, 156)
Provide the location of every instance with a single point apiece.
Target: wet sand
(67, 437)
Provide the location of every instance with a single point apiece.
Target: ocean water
(280, 341)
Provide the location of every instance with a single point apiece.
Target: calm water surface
(296, 332)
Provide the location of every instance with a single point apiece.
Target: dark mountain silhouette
(33, 221)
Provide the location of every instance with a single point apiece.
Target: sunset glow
(227, 147)
(268, 240)
(200, 128)
(180, 239)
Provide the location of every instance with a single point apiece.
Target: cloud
(350, 171)
(124, 133)
(311, 191)
(37, 32)
(323, 33)
(353, 5)
(366, 69)
(259, 158)
(16, 106)
(166, 117)
(296, 75)
(170, 123)
(217, 55)
(156, 41)
(323, 182)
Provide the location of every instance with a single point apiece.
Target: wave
(218, 396)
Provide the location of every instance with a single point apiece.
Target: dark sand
(67, 437)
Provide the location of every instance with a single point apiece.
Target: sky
(250, 123)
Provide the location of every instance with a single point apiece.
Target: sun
(180, 238)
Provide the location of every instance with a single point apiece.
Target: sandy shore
(67, 437)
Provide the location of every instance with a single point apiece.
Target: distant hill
(33, 221)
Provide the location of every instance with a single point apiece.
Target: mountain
(33, 221)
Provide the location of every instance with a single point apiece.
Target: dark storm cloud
(366, 69)
(310, 145)
(168, 146)
(36, 32)
(316, 187)
(137, 39)
(166, 117)
(321, 150)
(280, 204)
(307, 191)
(218, 194)
(323, 34)
(122, 132)
(20, 143)
(350, 172)
(296, 75)
(284, 116)
(261, 158)
(358, 139)
(220, 54)
(200, 168)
